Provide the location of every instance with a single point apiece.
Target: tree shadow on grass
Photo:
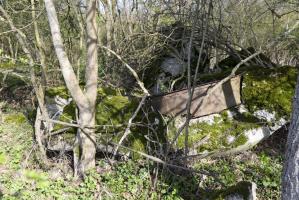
(188, 185)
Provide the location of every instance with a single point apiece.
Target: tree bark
(86, 136)
(39, 46)
(290, 178)
(85, 100)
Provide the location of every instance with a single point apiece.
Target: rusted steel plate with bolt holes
(225, 96)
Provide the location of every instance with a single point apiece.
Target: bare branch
(139, 82)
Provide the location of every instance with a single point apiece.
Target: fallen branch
(77, 125)
(158, 160)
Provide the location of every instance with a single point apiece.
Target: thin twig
(158, 160)
(139, 82)
(128, 129)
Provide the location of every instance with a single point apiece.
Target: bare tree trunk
(84, 100)
(109, 7)
(87, 135)
(81, 41)
(290, 178)
(39, 46)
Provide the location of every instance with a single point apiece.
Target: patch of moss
(68, 115)
(112, 109)
(271, 89)
(218, 132)
(139, 145)
(240, 140)
(2, 158)
(7, 65)
(16, 118)
(61, 91)
(105, 91)
(116, 110)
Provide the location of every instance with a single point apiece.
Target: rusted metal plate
(226, 96)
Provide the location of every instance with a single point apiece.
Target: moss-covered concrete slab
(264, 90)
(267, 95)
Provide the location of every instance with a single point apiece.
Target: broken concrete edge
(255, 136)
(240, 191)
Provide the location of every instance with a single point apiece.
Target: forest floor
(23, 175)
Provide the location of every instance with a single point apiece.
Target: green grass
(23, 176)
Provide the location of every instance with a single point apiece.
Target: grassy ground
(24, 176)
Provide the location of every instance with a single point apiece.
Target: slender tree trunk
(109, 8)
(85, 100)
(87, 143)
(290, 178)
(39, 46)
(87, 117)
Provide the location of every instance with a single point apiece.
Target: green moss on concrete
(112, 109)
(67, 116)
(240, 140)
(61, 91)
(271, 89)
(218, 132)
(105, 91)
(16, 118)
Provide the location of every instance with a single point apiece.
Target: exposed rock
(55, 108)
(242, 109)
(265, 115)
(172, 66)
(209, 119)
(234, 197)
(230, 139)
(231, 114)
(242, 191)
(254, 136)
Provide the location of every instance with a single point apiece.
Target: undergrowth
(22, 176)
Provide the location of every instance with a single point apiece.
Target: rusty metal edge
(200, 85)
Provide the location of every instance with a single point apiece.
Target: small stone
(265, 115)
(231, 114)
(230, 139)
(242, 109)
